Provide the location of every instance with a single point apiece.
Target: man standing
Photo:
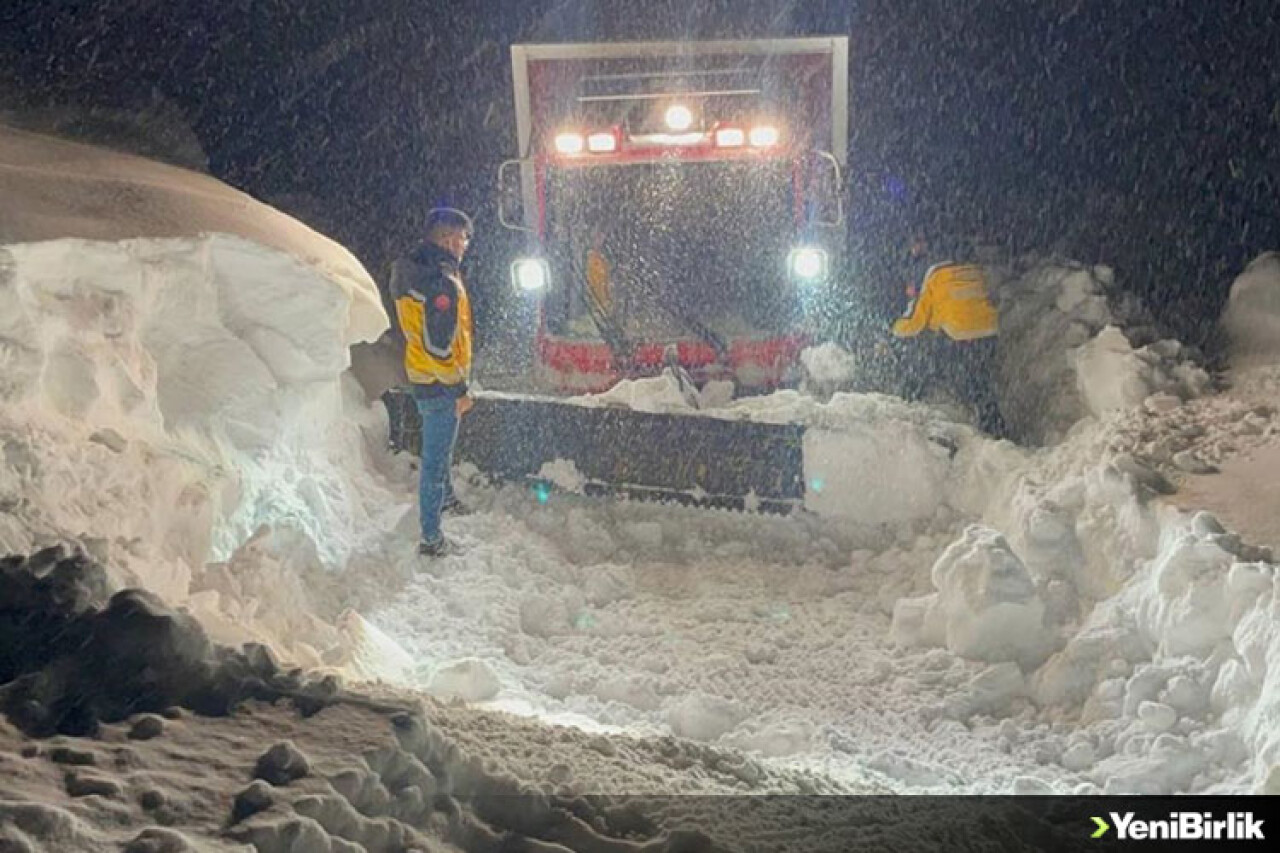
(435, 316)
(599, 276)
(952, 300)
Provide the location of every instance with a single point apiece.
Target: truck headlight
(808, 264)
(530, 274)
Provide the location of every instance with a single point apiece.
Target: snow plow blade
(689, 459)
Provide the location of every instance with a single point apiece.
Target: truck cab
(681, 201)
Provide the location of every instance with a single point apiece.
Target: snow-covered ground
(948, 614)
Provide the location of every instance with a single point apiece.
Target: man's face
(456, 243)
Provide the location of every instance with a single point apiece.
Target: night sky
(1144, 134)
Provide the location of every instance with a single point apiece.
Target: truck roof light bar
(603, 142)
(657, 96)
(644, 75)
(691, 138)
(730, 137)
(679, 118)
(569, 143)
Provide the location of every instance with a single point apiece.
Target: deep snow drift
(178, 409)
(174, 395)
(55, 189)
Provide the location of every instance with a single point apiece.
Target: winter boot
(441, 547)
(456, 508)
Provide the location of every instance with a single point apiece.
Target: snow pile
(177, 408)
(662, 393)
(873, 459)
(1072, 347)
(1159, 626)
(54, 189)
(1112, 376)
(987, 606)
(1252, 316)
(563, 474)
(1173, 676)
(828, 368)
(1166, 621)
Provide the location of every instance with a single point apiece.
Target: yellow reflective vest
(434, 312)
(953, 300)
(598, 280)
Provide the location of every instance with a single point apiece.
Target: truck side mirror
(511, 194)
(825, 189)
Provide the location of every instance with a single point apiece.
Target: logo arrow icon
(1102, 828)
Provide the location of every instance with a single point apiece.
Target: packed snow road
(757, 633)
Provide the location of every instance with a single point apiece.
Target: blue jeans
(435, 482)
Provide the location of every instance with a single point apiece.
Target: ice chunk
(703, 717)
(469, 679)
(987, 602)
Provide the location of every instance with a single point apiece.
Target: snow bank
(225, 331)
(1164, 624)
(1252, 316)
(54, 189)
(1147, 632)
(1180, 661)
(1072, 346)
(178, 408)
(987, 606)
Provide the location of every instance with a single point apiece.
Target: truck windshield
(689, 247)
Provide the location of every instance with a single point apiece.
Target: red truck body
(700, 217)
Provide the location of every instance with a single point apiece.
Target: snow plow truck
(682, 211)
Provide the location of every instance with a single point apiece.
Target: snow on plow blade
(689, 459)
